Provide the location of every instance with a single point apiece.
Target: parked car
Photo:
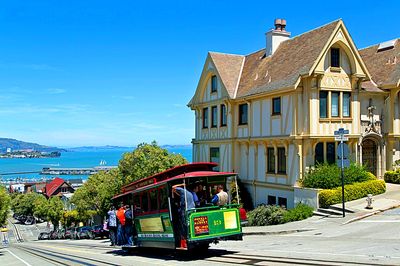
(44, 236)
(84, 232)
(61, 233)
(98, 231)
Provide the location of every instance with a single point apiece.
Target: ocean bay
(12, 168)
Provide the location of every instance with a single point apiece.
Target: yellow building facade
(271, 115)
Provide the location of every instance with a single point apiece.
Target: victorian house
(271, 114)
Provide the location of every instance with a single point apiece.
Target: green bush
(266, 215)
(392, 177)
(355, 191)
(328, 176)
(270, 215)
(300, 212)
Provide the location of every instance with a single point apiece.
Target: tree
(244, 195)
(55, 210)
(24, 204)
(96, 193)
(41, 207)
(5, 203)
(147, 160)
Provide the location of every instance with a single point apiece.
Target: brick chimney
(276, 36)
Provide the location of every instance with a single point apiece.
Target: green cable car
(164, 218)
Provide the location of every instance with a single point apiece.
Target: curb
(283, 232)
(370, 214)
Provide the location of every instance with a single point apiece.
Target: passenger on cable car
(221, 198)
(186, 203)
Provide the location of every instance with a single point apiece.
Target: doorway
(369, 155)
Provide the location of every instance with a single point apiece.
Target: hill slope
(22, 145)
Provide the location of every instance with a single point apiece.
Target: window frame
(326, 103)
(241, 113)
(205, 117)
(349, 104)
(273, 106)
(281, 154)
(219, 156)
(330, 156)
(214, 119)
(223, 115)
(338, 104)
(214, 84)
(335, 57)
(271, 160)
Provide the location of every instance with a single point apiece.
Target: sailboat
(103, 162)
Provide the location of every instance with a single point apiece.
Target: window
(214, 156)
(214, 83)
(282, 202)
(335, 57)
(271, 200)
(281, 161)
(243, 114)
(276, 106)
(223, 115)
(205, 117)
(346, 104)
(323, 104)
(319, 153)
(153, 200)
(330, 152)
(335, 104)
(145, 202)
(271, 160)
(214, 115)
(163, 198)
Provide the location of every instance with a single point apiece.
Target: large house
(271, 115)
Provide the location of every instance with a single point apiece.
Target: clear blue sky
(121, 72)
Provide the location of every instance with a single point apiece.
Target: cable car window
(145, 202)
(153, 200)
(162, 194)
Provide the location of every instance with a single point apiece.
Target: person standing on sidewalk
(112, 225)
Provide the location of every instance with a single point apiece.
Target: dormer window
(213, 84)
(335, 57)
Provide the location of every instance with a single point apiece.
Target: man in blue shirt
(186, 202)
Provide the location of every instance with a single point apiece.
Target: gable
(227, 68)
(352, 63)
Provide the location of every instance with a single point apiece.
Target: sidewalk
(388, 200)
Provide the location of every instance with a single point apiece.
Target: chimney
(276, 36)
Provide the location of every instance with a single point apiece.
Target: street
(370, 241)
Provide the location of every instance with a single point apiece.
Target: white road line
(27, 264)
(380, 221)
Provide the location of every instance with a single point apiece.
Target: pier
(75, 171)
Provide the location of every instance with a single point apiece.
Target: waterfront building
(57, 187)
(271, 115)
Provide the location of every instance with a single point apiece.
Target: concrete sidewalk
(388, 200)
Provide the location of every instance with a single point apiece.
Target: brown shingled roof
(293, 58)
(384, 65)
(229, 67)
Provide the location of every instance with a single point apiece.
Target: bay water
(13, 168)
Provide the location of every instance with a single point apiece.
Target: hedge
(327, 176)
(271, 215)
(354, 191)
(392, 177)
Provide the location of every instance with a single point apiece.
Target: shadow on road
(166, 254)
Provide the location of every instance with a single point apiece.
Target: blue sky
(121, 72)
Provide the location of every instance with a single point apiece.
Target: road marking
(381, 221)
(27, 264)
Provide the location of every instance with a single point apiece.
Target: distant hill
(101, 148)
(22, 145)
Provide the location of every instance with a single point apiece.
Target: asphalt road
(371, 241)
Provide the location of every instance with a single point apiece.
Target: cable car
(164, 218)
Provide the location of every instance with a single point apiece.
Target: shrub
(266, 215)
(328, 176)
(300, 212)
(355, 191)
(392, 177)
